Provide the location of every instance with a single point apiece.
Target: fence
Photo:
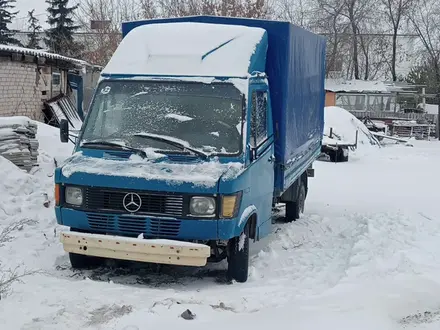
(430, 118)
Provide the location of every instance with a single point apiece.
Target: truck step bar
(159, 251)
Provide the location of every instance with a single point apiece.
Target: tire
(295, 209)
(238, 257)
(342, 157)
(333, 156)
(79, 261)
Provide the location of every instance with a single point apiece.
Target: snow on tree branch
(11, 276)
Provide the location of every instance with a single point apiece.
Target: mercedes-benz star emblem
(132, 202)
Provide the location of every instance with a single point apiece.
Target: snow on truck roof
(190, 49)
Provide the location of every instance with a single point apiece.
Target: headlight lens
(74, 195)
(202, 206)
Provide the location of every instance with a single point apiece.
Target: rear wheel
(238, 257)
(296, 208)
(343, 155)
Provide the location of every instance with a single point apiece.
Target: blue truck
(198, 127)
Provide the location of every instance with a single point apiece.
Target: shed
(31, 78)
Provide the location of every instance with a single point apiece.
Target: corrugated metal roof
(359, 86)
(41, 53)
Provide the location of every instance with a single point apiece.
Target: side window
(259, 118)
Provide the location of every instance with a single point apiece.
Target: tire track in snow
(309, 256)
(394, 244)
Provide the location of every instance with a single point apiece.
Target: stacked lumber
(18, 142)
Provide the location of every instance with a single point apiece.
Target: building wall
(90, 81)
(330, 99)
(21, 89)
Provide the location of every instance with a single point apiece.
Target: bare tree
(232, 8)
(10, 276)
(425, 18)
(395, 12)
(351, 15)
(101, 40)
(298, 12)
(355, 11)
(258, 9)
(328, 19)
(374, 55)
(149, 9)
(346, 24)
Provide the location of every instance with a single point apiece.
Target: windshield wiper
(171, 142)
(139, 152)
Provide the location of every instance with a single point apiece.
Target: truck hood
(138, 173)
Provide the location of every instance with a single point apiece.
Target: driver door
(262, 161)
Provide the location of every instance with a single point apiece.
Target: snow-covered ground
(364, 256)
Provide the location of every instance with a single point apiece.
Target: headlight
(202, 206)
(73, 196)
(230, 205)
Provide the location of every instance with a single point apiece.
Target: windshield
(206, 117)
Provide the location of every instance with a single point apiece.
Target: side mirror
(252, 153)
(64, 131)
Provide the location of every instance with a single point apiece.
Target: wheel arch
(251, 220)
(252, 223)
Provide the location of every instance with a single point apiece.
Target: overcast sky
(24, 6)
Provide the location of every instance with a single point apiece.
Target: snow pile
(344, 126)
(22, 191)
(186, 49)
(27, 201)
(23, 194)
(431, 109)
(18, 141)
(13, 181)
(51, 148)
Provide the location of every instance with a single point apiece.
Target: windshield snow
(207, 117)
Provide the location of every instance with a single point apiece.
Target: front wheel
(238, 257)
(80, 261)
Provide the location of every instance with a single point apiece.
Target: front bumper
(144, 250)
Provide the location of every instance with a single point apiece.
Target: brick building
(29, 79)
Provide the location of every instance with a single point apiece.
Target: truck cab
(176, 160)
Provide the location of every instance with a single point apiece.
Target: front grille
(101, 199)
(101, 222)
(134, 225)
(163, 227)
